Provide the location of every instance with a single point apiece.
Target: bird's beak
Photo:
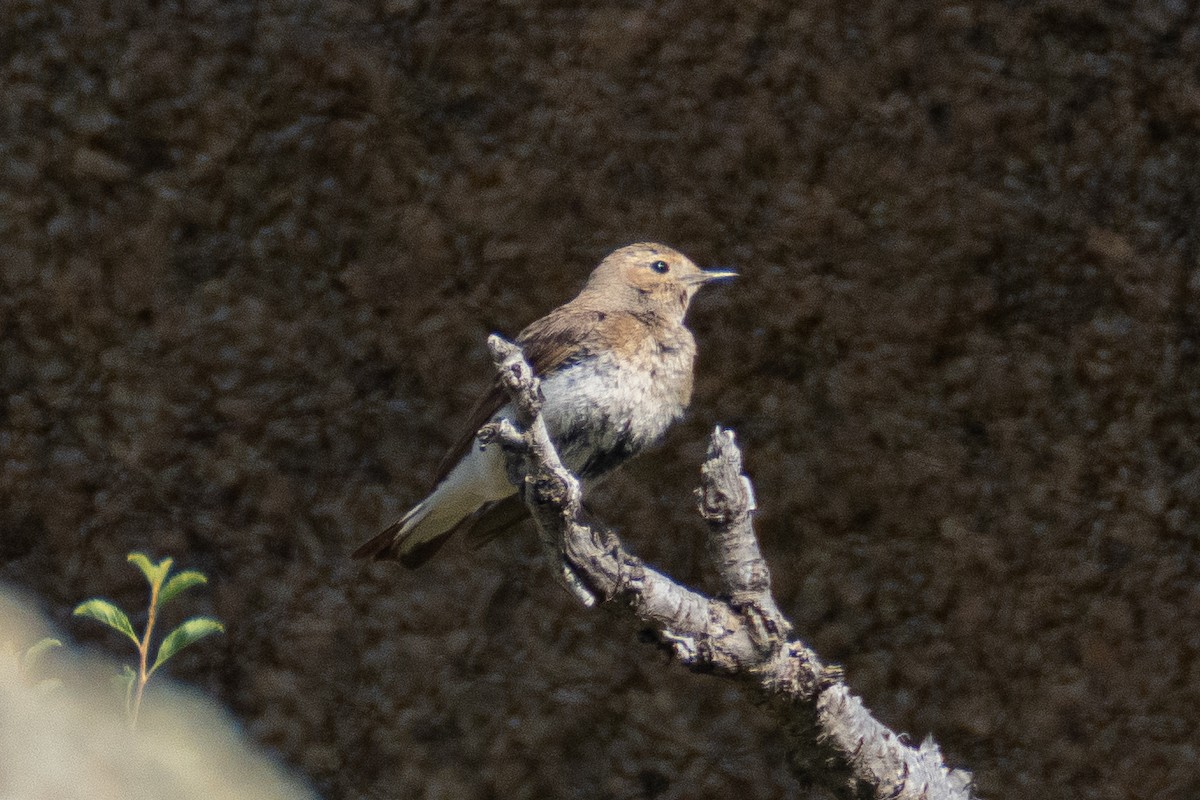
(709, 275)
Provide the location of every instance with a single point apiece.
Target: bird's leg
(503, 434)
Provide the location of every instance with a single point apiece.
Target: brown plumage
(616, 369)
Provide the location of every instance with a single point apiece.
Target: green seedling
(162, 591)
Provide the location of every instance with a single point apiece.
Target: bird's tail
(478, 480)
(413, 539)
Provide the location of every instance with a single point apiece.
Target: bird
(615, 365)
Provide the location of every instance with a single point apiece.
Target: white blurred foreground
(72, 743)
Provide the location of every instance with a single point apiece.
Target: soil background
(251, 252)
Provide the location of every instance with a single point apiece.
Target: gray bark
(833, 740)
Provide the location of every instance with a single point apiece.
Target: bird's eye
(660, 267)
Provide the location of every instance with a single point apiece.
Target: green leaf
(180, 582)
(154, 572)
(193, 630)
(36, 652)
(110, 615)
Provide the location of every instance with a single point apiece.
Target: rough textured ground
(251, 253)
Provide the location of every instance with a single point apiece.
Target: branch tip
(725, 494)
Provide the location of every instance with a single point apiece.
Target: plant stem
(143, 656)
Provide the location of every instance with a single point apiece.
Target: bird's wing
(548, 344)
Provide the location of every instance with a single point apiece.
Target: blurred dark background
(251, 253)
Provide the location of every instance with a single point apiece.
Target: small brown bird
(616, 370)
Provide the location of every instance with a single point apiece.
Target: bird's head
(650, 278)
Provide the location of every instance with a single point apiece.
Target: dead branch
(833, 740)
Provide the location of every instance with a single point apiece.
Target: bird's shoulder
(573, 333)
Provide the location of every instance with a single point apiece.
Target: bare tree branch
(833, 740)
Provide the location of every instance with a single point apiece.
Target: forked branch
(833, 740)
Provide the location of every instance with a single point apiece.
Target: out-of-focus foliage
(73, 743)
